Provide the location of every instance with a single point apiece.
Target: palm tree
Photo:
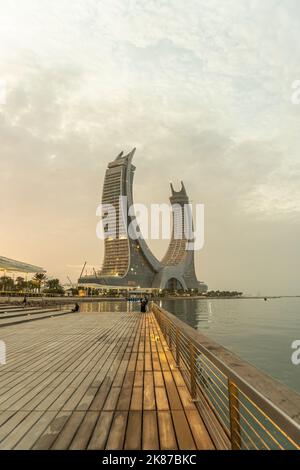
(39, 279)
(6, 283)
(54, 286)
(20, 283)
(30, 286)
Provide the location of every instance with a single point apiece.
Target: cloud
(203, 92)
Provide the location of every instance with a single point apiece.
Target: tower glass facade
(129, 262)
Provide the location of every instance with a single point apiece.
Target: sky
(202, 88)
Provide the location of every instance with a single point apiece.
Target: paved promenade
(94, 381)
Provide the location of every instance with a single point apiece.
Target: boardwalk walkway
(94, 381)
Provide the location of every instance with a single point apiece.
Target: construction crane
(82, 270)
(71, 283)
(95, 273)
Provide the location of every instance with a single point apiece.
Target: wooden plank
(57, 397)
(47, 438)
(158, 379)
(149, 396)
(132, 361)
(84, 432)
(101, 395)
(150, 439)
(139, 377)
(65, 437)
(155, 361)
(140, 365)
(117, 431)
(171, 360)
(137, 399)
(173, 396)
(133, 438)
(148, 362)
(28, 394)
(81, 390)
(44, 394)
(5, 416)
(183, 433)
(125, 395)
(101, 431)
(12, 423)
(121, 371)
(14, 437)
(37, 429)
(162, 402)
(199, 431)
(186, 399)
(9, 398)
(179, 380)
(163, 361)
(166, 431)
(112, 399)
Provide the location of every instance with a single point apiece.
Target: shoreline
(66, 300)
(229, 298)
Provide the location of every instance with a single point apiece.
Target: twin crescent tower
(128, 262)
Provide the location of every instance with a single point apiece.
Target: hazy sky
(202, 88)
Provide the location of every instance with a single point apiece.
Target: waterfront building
(128, 262)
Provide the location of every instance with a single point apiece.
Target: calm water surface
(257, 331)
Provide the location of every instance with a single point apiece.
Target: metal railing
(236, 414)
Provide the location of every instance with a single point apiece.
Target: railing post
(235, 426)
(177, 347)
(193, 370)
(158, 318)
(170, 336)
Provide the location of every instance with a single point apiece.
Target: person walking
(24, 301)
(144, 303)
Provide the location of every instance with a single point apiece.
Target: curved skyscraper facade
(128, 261)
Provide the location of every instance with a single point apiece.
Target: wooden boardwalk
(95, 381)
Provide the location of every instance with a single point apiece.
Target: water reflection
(109, 306)
(196, 313)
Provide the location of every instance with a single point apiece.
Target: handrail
(235, 412)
